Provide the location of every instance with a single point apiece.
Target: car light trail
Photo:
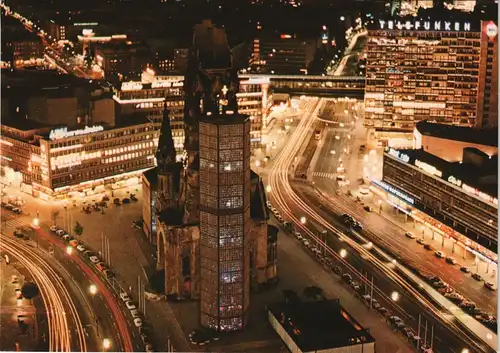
(281, 188)
(57, 300)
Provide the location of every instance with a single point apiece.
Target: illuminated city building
(441, 70)
(148, 96)
(285, 54)
(255, 99)
(224, 221)
(449, 180)
(55, 162)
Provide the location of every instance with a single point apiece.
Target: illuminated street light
(268, 188)
(332, 152)
(106, 343)
(93, 289)
(369, 245)
(36, 222)
(257, 164)
(395, 296)
(69, 250)
(303, 220)
(343, 253)
(465, 350)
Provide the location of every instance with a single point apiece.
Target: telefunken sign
(426, 25)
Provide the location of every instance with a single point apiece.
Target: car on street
(53, 229)
(124, 296)
(288, 226)
(101, 266)
(130, 305)
(80, 248)
(108, 273)
(368, 208)
(440, 254)
(60, 232)
(134, 313)
(279, 218)
(451, 260)
(347, 278)
(337, 270)
(66, 237)
(306, 242)
(94, 259)
(268, 204)
(73, 242)
(477, 276)
(421, 241)
(489, 285)
(18, 234)
(410, 235)
(383, 311)
(137, 322)
(125, 200)
(464, 269)
(17, 210)
(148, 348)
(428, 247)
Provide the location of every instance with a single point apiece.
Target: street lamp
(465, 350)
(395, 296)
(93, 289)
(69, 250)
(106, 344)
(343, 253)
(303, 220)
(36, 222)
(268, 188)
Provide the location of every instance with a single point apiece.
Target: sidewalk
(15, 336)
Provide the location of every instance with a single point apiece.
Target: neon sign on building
(426, 25)
(62, 133)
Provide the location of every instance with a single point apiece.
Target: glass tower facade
(224, 221)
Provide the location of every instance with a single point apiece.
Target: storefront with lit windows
(453, 210)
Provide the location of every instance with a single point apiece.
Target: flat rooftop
(486, 137)
(483, 178)
(321, 325)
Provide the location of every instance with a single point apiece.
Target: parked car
(80, 248)
(477, 276)
(428, 247)
(440, 254)
(125, 200)
(53, 229)
(489, 285)
(124, 296)
(73, 242)
(451, 260)
(130, 305)
(410, 235)
(18, 234)
(347, 278)
(421, 241)
(94, 259)
(137, 322)
(60, 232)
(368, 209)
(464, 269)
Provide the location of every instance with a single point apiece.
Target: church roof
(165, 153)
(258, 209)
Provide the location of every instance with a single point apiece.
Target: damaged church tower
(212, 237)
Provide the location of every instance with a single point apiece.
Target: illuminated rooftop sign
(429, 168)
(401, 156)
(393, 191)
(62, 133)
(426, 25)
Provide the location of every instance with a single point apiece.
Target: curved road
(66, 332)
(293, 208)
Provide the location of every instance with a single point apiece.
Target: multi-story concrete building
(451, 177)
(148, 98)
(441, 70)
(225, 221)
(255, 99)
(282, 55)
(56, 162)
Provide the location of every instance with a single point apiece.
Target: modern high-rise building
(224, 220)
(440, 70)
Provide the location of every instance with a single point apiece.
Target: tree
(53, 216)
(78, 230)
(313, 292)
(29, 290)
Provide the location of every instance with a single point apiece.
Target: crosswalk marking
(19, 222)
(324, 175)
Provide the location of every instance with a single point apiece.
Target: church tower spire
(165, 153)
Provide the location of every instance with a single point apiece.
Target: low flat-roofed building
(79, 160)
(461, 196)
(319, 326)
(448, 142)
